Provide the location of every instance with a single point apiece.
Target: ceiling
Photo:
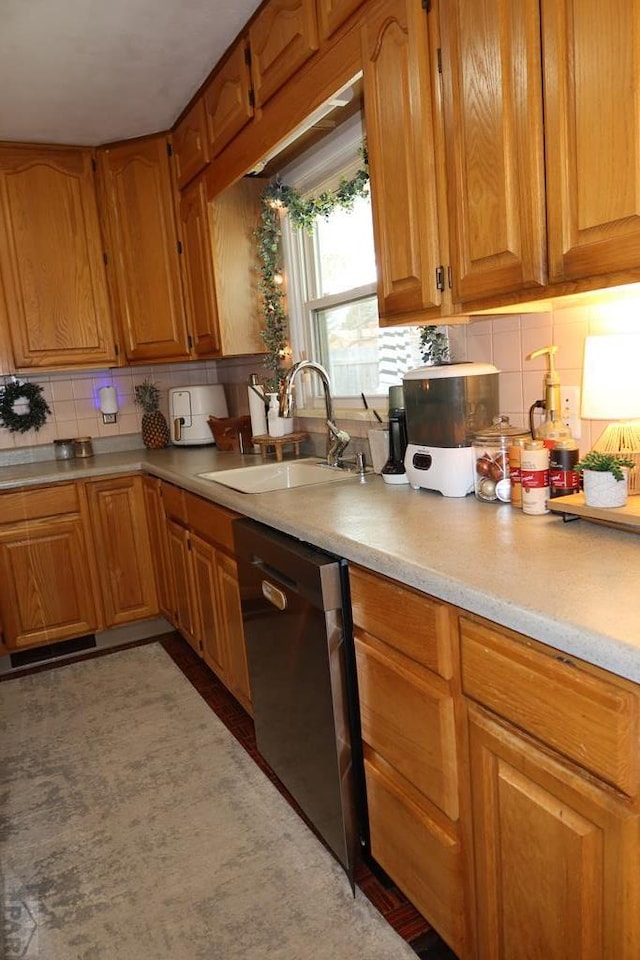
(92, 71)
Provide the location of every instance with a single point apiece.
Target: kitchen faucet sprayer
(337, 439)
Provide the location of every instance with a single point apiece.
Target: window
(334, 311)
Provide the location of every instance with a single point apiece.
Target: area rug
(134, 827)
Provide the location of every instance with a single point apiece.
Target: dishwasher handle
(275, 596)
(271, 571)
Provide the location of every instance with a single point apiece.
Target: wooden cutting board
(624, 518)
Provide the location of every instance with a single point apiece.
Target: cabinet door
(191, 144)
(184, 615)
(281, 38)
(491, 66)
(197, 270)
(47, 591)
(402, 163)
(211, 631)
(143, 253)
(124, 552)
(592, 131)
(333, 13)
(234, 216)
(228, 98)
(231, 618)
(157, 525)
(51, 259)
(555, 855)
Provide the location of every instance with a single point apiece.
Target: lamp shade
(611, 377)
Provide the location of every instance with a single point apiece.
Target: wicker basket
(231, 433)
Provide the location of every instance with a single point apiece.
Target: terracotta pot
(601, 489)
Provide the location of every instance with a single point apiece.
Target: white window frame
(300, 256)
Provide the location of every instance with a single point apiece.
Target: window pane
(358, 355)
(345, 252)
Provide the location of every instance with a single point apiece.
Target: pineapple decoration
(155, 430)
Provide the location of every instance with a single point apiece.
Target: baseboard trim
(13, 663)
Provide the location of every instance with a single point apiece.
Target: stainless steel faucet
(337, 439)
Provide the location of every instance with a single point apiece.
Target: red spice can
(534, 477)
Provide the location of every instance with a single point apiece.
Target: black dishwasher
(297, 627)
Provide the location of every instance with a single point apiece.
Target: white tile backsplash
(503, 340)
(507, 340)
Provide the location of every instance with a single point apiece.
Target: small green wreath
(36, 414)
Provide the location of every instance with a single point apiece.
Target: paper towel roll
(257, 411)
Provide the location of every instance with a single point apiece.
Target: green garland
(303, 212)
(34, 418)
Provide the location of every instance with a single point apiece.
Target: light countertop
(574, 586)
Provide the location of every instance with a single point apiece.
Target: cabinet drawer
(174, 501)
(410, 621)
(579, 713)
(213, 523)
(421, 856)
(407, 717)
(26, 505)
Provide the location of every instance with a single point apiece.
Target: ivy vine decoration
(280, 198)
(434, 345)
(22, 407)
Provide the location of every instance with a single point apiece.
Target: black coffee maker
(393, 470)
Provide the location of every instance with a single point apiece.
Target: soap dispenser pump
(551, 428)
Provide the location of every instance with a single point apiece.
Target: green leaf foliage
(278, 198)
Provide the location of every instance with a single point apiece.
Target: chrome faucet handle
(341, 440)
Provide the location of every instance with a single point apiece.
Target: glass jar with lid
(491, 478)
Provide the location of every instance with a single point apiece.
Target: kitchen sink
(266, 477)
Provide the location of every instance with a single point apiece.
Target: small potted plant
(605, 478)
(155, 430)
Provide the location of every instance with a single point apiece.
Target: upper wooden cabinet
(234, 216)
(191, 144)
(197, 270)
(228, 98)
(592, 130)
(402, 159)
(282, 37)
(143, 249)
(333, 13)
(51, 259)
(492, 88)
(220, 268)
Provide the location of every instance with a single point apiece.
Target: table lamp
(611, 391)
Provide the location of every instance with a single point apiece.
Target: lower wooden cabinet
(410, 746)
(554, 802)
(123, 548)
(217, 595)
(205, 588)
(556, 855)
(47, 569)
(184, 612)
(151, 488)
(418, 847)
